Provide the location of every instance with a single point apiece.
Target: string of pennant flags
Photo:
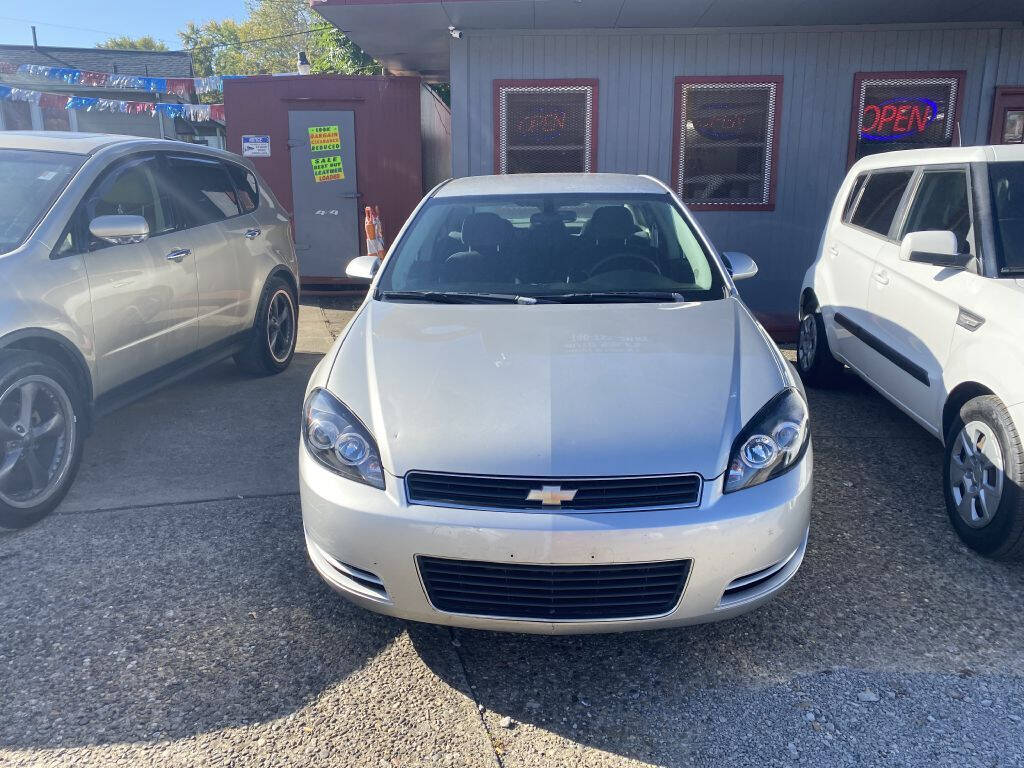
(193, 112)
(179, 86)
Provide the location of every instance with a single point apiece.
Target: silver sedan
(553, 413)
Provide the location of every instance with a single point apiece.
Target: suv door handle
(178, 254)
(882, 277)
(834, 250)
(252, 234)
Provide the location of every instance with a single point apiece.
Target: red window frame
(774, 83)
(857, 104)
(1007, 97)
(501, 87)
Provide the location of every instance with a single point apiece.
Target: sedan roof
(550, 184)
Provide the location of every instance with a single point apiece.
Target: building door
(1008, 116)
(325, 195)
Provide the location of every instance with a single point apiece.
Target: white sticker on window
(47, 175)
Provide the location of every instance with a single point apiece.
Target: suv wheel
(272, 342)
(984, 470)
(813, 356)
(40, 438)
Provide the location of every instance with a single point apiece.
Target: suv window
(880, 199)
(248, 189)
(941, 203)
(851, 201)
(203, 189)
(132, 188)
(1007, 185)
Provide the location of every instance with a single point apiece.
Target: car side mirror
(933, 246)
(119, 230)
(363, 267)
(740, 266)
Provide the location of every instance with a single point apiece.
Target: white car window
(941, 203)
(880, 200)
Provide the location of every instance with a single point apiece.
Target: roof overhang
(411, 36)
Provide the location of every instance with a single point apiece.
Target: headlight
(339, 441)
(771, 443)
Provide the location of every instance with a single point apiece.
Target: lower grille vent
(553, 592)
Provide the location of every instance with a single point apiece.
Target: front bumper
(364, 543)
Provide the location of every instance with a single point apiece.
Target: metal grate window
(545, 126)
(726, 142)
(904, 110)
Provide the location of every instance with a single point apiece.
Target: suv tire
(814, 359)
(41, 437)
(982, 477)
(272, 340)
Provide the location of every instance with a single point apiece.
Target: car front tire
(40, 436)
(272, 340)
(982, 479)
(814, 359)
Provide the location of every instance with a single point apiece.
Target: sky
(84, 23)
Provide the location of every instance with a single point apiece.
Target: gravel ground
(194, 633)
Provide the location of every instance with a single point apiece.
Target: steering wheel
(615, 262)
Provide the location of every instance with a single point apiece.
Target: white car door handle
(834, 250)
(252, 234)
(178, 254)
(882, 278)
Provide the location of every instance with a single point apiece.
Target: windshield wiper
(455, 297)
(598, 297)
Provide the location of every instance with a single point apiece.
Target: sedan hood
(553, 390)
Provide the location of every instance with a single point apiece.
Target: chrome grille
(553, 592)
(598, 494)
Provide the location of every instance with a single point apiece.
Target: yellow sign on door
(327, 168)
(324, 137)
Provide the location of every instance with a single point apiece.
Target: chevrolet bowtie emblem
(551, 495)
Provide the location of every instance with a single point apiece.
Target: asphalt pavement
(166, 615)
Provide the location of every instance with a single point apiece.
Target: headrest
(611, 222)
(485, 230)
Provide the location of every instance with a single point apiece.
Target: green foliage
(127, 43)
(269, 41)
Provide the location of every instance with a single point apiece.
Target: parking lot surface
(167, 615)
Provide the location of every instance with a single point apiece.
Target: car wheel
(272, 342)
(40, 437)
(814, 358)
(983, 473)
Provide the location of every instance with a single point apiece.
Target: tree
(269, 41)
(128, 43)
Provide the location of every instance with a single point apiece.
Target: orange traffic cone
(374, 236)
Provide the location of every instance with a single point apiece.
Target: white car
(553, 413)
(919, 287)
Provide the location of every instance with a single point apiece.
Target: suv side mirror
(363, 267)
(933, 246)
(740, 265)
(119, 230)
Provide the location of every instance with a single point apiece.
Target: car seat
(488, 238)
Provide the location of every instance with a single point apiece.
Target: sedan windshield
(550, 248)
(1007, 182)
(29, 183)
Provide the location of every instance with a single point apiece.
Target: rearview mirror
(933, 246)
(363, 267)
(740, 265)
(119, 230)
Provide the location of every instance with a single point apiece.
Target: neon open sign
(899, 118)
(544, 123)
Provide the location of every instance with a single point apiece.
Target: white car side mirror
(363, 267)
(933, 246)
(740, 266)
(119, 230)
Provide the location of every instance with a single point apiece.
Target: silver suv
(124, 264)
